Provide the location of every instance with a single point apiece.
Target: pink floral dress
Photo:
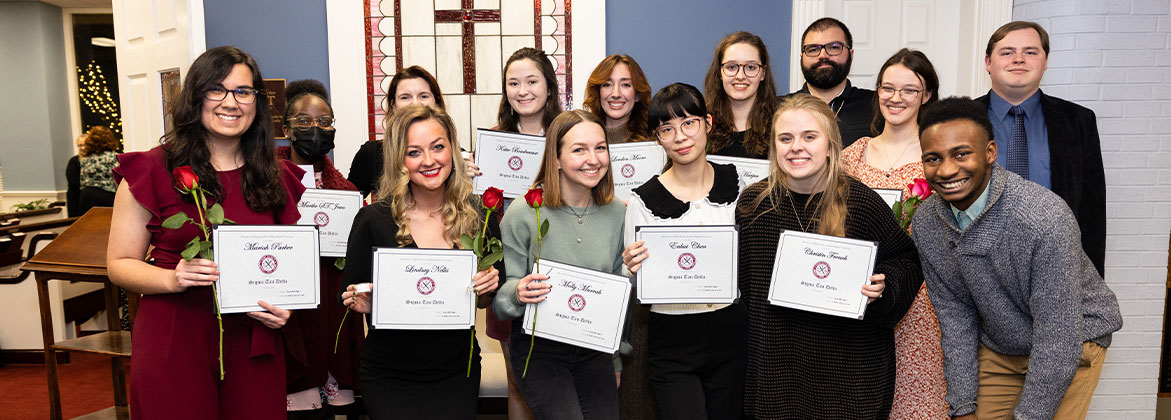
(920, 388)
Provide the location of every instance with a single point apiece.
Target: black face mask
(314, 144)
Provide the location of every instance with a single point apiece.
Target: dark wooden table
(79, 254)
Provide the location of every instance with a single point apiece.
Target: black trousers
(696, 363)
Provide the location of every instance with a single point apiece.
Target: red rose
(493, 198)
(186, 177)
(534, 198)
(920, 188)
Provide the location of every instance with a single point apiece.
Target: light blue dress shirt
(964, 218)
(1035, 131)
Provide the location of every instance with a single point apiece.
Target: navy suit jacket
(1075, 154)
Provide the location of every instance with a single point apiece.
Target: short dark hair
(298, 89)
(956, 108)
(828, 22)
(673, 101)
(408, 73)
(1017, 25)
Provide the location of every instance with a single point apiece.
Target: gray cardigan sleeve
(516, 231)
(959, 324)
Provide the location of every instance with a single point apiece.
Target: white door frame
(71, 65)
(978, 20)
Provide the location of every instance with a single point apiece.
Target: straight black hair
(673, 101)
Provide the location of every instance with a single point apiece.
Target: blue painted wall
(37, 141)
(673, 40)
(287, 38)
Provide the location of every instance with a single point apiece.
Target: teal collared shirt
(964, 218)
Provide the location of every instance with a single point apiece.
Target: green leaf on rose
(215, 215)
(478, 245)
(191, 251)
(176, 220)
(544, 228)
(898, 209)
(340, 263)
(465, 241)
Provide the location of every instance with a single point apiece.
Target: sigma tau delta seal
(515, 163)
(321, 219)
(628, 170)
(425, 285)
(267, 264)
(821, 269)
(576, 302)
(686, 261)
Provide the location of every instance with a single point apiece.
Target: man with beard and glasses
(826, 53)
(1044, 139)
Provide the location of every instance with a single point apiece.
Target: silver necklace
(794, 207)
(580, 218)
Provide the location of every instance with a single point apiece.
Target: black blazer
(1075, 154)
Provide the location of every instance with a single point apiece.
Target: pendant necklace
(891, 162)
(794, 207)
(580, 218)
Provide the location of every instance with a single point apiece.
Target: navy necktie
(1018, 148)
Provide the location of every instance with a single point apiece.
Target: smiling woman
(617, 91)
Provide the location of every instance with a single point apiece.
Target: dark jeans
(696, 363)
(564, 382)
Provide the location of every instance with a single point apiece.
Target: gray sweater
(600, 248)
(1018, 281)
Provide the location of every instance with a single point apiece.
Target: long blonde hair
(830, 212)
(459, 215)
(549, 177)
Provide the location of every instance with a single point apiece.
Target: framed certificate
(688, 264)
(634, 164)
(750, 170)
(584, 308)
(509, 161)
(274, 263)
(423, 289)
(332, 211)
(890, 195)
(823, 274)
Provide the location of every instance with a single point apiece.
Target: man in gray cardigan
(1025, 317)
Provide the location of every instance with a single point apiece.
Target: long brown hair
(918, 63)
(756, 140)
(506, 117)
(637, 124)
(549, 177)
(186, 144)
(394, 189)
(830, 213)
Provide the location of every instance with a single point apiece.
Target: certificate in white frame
(423, 289)
(278, 264)
(584, 308)
(508, 161)
(333, 212)
(821, 273)
(688, 264)
(634, 164)
(890, 195)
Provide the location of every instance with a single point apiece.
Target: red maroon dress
(175, 368)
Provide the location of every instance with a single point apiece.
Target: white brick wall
(1113, 56)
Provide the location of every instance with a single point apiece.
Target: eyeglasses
(750, 69)
(831, 49)
(242, 95)
(304, 123)
(906, 93)
(689, 127)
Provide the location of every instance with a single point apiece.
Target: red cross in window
(468, 16)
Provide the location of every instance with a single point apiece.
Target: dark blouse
(808, 365)
(366, 169)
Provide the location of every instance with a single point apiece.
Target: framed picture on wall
(171, 84)
(275, 90)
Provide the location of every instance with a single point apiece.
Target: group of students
(991, 246)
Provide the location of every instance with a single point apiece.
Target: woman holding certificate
(618, 93)
(222, 133)
(315, 369)
(805, 363)
(585, 230)
(696, 350)
(424, 201)
(741, 96)
(907, 84)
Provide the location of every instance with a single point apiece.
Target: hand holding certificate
(276, 264)
(824, 274)
(688, 264)
(583, 307)
(423, 289)
(509, 161)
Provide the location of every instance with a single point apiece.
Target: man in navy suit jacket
(1064, 152)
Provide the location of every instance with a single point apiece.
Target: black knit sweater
(805, 365)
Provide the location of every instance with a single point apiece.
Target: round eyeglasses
(304, 123)
(750, 69)
(689, 127)
(242, 95)
(831, 49)
(906, 93)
